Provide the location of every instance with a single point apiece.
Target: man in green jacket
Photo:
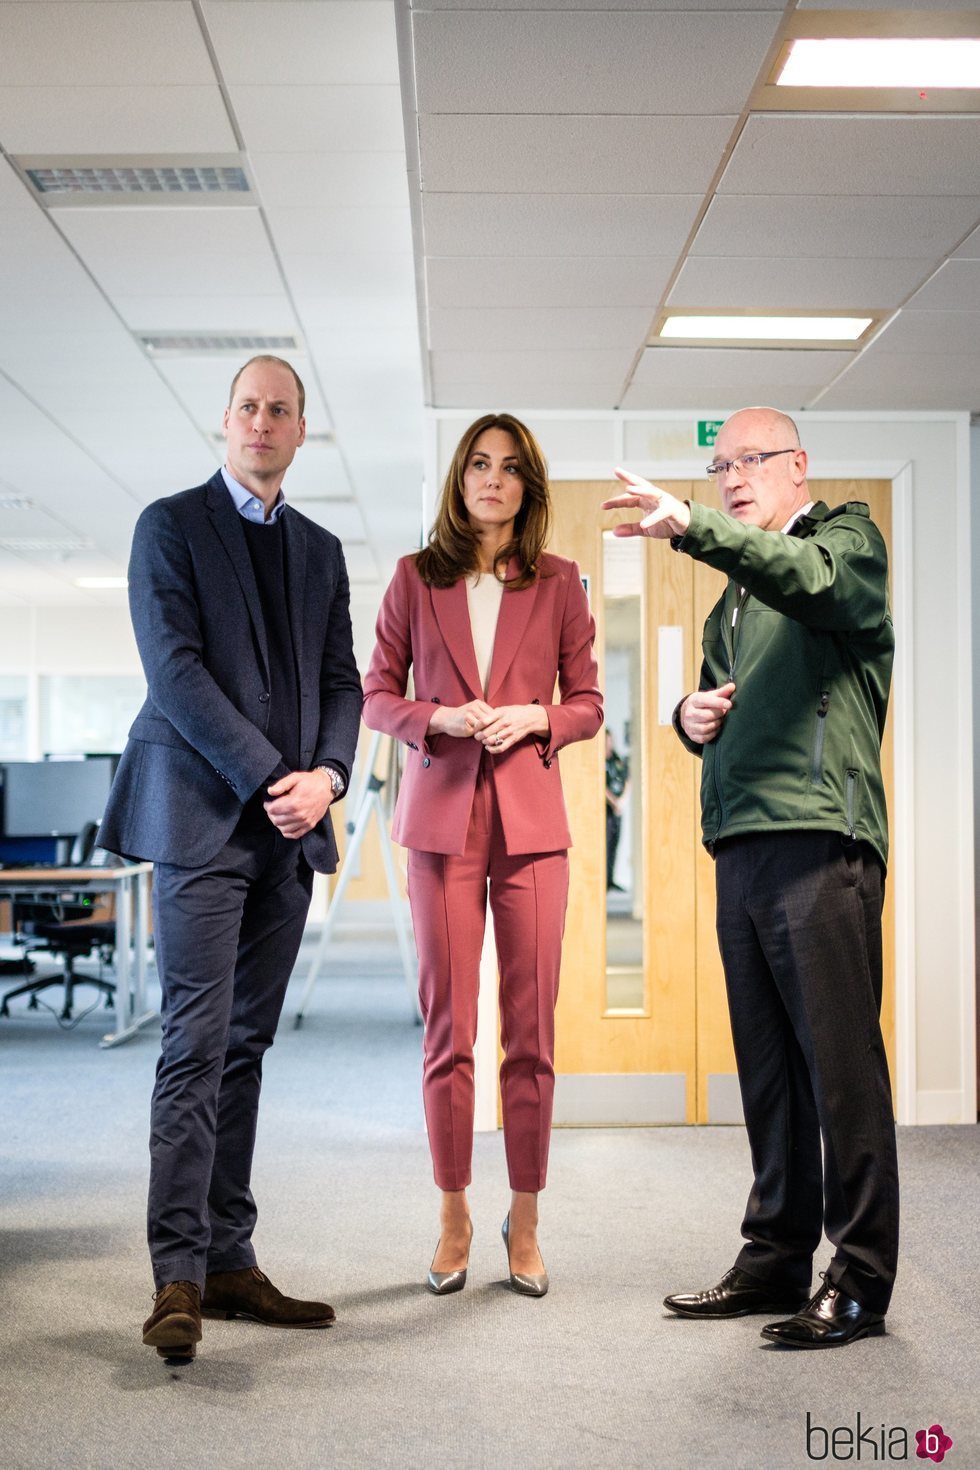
(788, 721)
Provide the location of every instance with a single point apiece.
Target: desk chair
(73, 940)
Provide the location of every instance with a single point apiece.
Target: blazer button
(412, 745)
(547, 765)
(535, 701)
(263, 698)
(426, 761)
(436, 699)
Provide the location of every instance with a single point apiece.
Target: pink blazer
(544, 632)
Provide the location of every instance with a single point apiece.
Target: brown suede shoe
(252, 1295)
(174, 1325)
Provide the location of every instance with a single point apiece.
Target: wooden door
(668, 1056)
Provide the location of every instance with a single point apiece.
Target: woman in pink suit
(487, 621)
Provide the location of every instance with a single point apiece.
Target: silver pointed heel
(444, 1283)
(524, 1285)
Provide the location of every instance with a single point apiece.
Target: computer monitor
(54, 798)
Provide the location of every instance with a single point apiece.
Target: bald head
(766, 421)
(768, 494)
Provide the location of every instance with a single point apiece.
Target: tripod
(369, 804)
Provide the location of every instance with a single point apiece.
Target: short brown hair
(453, 549)
(279, 362)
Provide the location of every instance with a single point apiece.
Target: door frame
(901, 871)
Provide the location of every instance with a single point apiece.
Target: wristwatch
(336, 779)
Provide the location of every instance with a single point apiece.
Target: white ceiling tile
(891, 380)
(132, 459)
(481, 396)
(760, 225)
(186, 252)
(954, 287)
(270, 315)
(686, 377)
(114, 120)
(511, 329)
(531, 367)
(47, 44)
(31, 439)
(557, 224)
(346, 276)
(14, 193)
(342, 517)
(321, 315)
(544, 281)
(740, 281)
(801, 153)
(353, 346)
(278, 119)
(970, 249)
(317, 470)
(603, 62)
(362, 565)
(522, 374)
(342, 230)
(930, 333)
(554, 155)
(305, 41)
(105, 360)
(300, 180)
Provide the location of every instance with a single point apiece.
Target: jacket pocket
(850, 801)
(819, 735)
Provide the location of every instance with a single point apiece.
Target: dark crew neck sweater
(267, 550)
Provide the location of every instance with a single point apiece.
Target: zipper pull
(824, 705)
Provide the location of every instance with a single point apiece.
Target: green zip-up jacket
(810, 656)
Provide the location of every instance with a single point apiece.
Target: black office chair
(73, 939)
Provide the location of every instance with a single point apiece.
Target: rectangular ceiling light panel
(760, 329)
(92, 181)
(892, 61)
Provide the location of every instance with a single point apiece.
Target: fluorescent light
(767, 328)
(101, 582)
(891, 62)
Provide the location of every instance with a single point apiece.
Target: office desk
(130, 886)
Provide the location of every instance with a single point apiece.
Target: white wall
(928, 458)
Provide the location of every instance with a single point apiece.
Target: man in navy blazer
(240, 607)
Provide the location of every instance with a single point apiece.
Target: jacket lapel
(453, 616)
(515, 612)
(228, 524)
(295, 537)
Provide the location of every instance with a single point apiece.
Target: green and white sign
(708, 432)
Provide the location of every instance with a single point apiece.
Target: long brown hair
(453, 549)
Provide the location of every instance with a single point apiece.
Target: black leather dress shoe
(831, 1319)
(737, 1295)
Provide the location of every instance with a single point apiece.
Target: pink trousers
(528, 895)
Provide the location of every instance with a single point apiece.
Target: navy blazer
(197, 750)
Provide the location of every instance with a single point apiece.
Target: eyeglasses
(745, 463)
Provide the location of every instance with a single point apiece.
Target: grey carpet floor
(596, 1374)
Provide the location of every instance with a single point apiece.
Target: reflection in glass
(623, 619)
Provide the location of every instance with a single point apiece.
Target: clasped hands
(495, 729)
(298, 802)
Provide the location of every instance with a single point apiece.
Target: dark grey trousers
(799, 928)
(227, 935)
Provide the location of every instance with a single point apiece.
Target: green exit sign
(708, 432)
